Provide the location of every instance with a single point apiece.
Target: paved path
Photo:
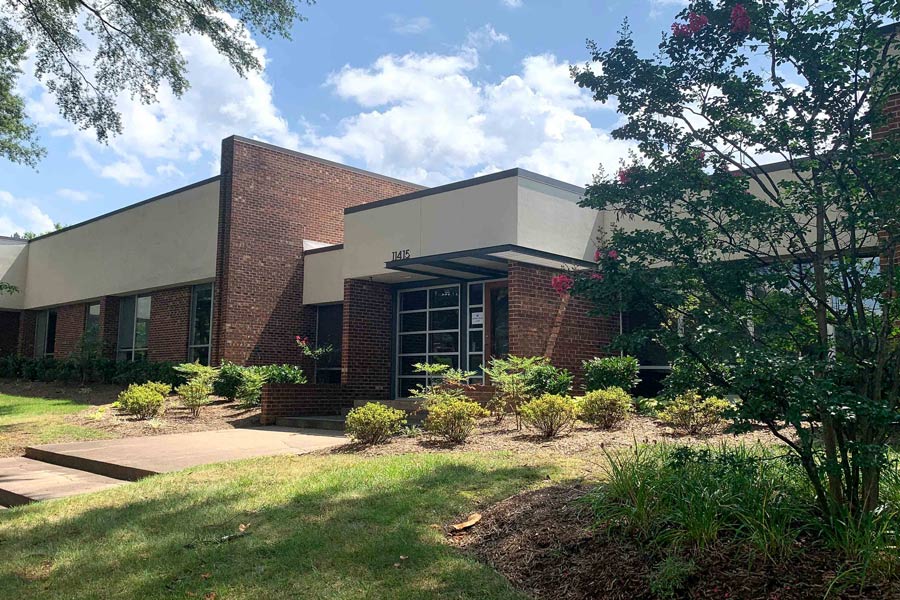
(58, 470)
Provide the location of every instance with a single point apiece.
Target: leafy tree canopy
(778, 284)
(88, 51)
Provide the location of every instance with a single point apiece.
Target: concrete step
(104, 468)
(23, 480)
(331, 423)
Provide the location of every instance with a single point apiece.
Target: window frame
(193, 315)
(318, 367)
(130, 354)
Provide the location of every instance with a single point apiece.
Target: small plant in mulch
(550, 414)
(374, 423)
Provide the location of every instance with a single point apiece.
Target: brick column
(27, 323)
(69, 329)
(368, 330)
(9, 332)
(543, 324)
(109, 325)
(170, 316)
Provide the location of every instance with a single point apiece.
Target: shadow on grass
(355, 529)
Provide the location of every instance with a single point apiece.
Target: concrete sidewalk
(59, 470)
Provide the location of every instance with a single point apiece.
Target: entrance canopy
(481, 263)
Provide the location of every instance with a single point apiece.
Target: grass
(329, 527)
(26, 421)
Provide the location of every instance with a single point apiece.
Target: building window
(427, 332)
(92, 322)
(45, 333)
(329, 332)
(134, 327)
(475, 346)
(201, 323)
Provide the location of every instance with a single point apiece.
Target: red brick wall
(292, 400)
(69, 328)
(27, 322)
(9, 332)
(368, 330)
(892, 124)
(170, 316)
(270, 201)
(543, 324)
(109, 325)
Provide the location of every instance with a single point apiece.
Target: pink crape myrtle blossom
(740, 20)
(562, 284)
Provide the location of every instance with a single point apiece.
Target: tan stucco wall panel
(166, 242)
(13, 270)
(323, 277)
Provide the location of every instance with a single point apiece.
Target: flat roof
(449, 187)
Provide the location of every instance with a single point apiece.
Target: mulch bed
(545, 542)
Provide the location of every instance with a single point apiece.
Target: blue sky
(426, 91)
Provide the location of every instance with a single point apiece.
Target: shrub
(612, 371)
(453, 418)
(249, 392)
(281, 373)
(195, 394)
(508, 376)
(374, 423)
(546, 379)
(194, 370)
(686, 375)
(228, 380)
(158, 386)
(89, 370)
(606, 408)
(142, 400)
(550, 414)
(691, 413)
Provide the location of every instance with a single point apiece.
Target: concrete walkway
(58, 470)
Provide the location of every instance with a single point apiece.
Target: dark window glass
(413, 322)
(476, 294)
(407, 362)
(126, 323)
(134, 327)
(328, 375)
(447, 297)
(412, 344)
(142, 322)
(444, 342)
(92, 321)
(443, 319)
(475, 363)
(408, 384)
(330, 332)
(200, 353)
(51, 333)
(476, 341)
(451, 360)
(202, 315)
(499, 321)
(416, 300)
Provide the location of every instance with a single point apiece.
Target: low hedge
(95, 370)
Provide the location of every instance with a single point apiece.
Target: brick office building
(282, 244)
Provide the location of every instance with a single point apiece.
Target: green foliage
(645, 406)
(228, 381)
(452, 418)
(509, 376)
(611, 371)
(249, 391)
(693, 414)
(681, 499)
(95, 369)
(195, 393)
(443, 383)
(670, 575)
(143, 400)
(768, 283)
(280, 373)
(605, 408)
(688, 374)
(544, 378)
(550, 414)
(89, 54)
(374, 423)
(196, 371)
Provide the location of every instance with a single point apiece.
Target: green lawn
(25, 421)
(316, 527)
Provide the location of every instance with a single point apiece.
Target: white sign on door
(477, 318)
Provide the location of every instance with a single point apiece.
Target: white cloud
(425, 117)
(21, 215)
(76, 196)
(512, 3)
(174, 131)
(409, 25)
(485, 37)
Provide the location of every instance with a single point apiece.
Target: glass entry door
(497, 319)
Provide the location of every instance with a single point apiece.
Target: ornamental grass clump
(374, 423)
(550, 414)
(606, 408)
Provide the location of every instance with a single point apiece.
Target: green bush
(453, 419)
(546, 379)
(374, 423)
(88, 370)
(144, 400)
(158, 386)
(612, 371)
(691, 413)
(687, 375)
(228, 381)
(550, 414)
(606, 408)
(194, 370)
(281, 373)
(249, 392)
(195, 394)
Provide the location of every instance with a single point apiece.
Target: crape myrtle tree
(87, 52)
(779, 287)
